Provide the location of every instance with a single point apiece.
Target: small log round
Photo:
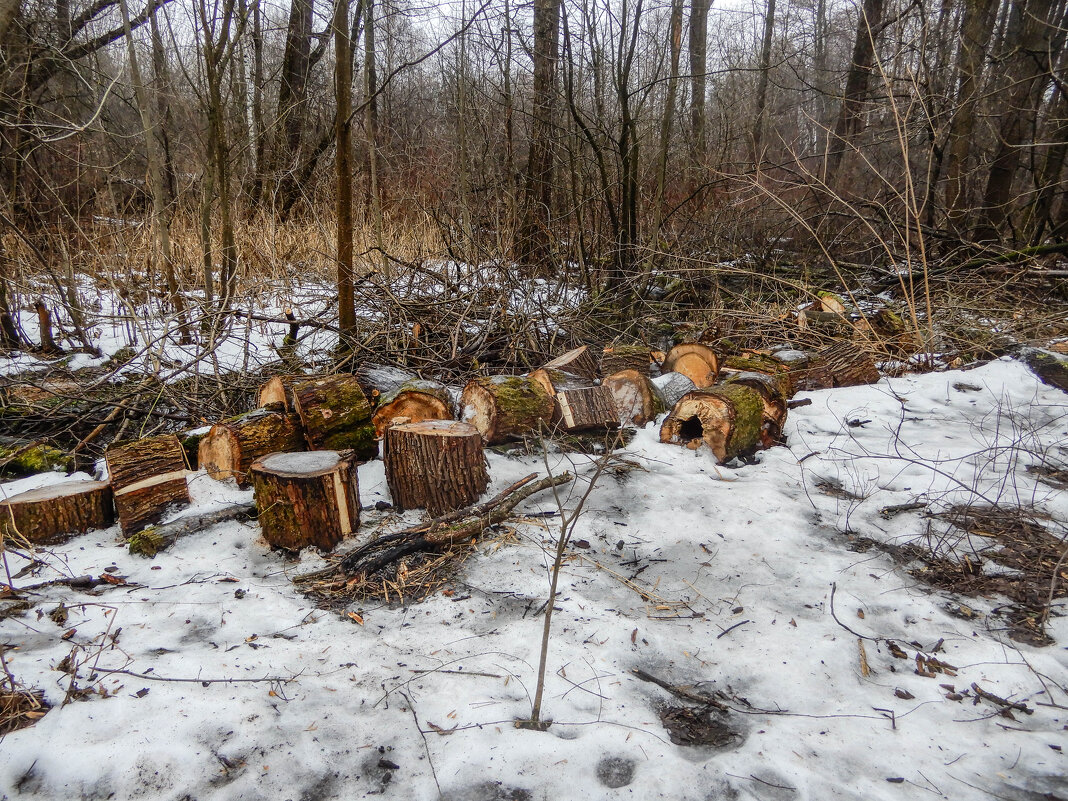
(310, 498)
(417, 400)
(844, 364)
(696, 361)
(578, 362)
(673, 386)
(51, 514)
(578, 405)
(437, 465)
(145, 502)
(276, 390)
(785, 374)
(132, 462)
(230, 448)
(728, 419)
(636, 397)
(770, 389)
(505, 407)
(617, 358)
(335, 414)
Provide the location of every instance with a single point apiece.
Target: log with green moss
(1050, 367)
(727, 419)
(417, 400)
(784, 374)
(771, 394)
(25, 459)
(626, 357)
(230, 448)
(156, 538)
(503, 408)
(335, 414)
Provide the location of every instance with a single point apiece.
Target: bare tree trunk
(370, 123)
(698, 76)
(292, 98)
(1049, 178)
(762, 85)
(675, 44)
(343, 125)
(259, 147)
(162, 80)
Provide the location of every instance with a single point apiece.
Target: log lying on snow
(626, 357)
(672, 386)
(728, 419)
(51, 514)
(1050, 367)
(307, 498)
(147, 478)
(20, 458)
(577, 362)
(335, 414)
(636, 398)
(695, 360)
(841, 365)
(156, 538)
(416, 400)
(771, 394)
(503, 408)
(230, 447)
(437, 465)
(578, 405)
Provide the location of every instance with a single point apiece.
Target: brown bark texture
(335, 414)
(145, 502)
(728, 419)
(132, 462)
(51, 514)
(230, 448)
(503, 408)
(625, 357)
(578, 361)
(417, 400)
(841, 365)
(437, 465)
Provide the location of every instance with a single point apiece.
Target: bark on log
(437, 465)
(1050, 367)
(770, 389)
(230, 448)
(726, 418)
(132, 462)
(276, 390)
(617, 358)
(841, 365)
(335, 414)
(306, 499)
(578, 405)
(156, 538)
(636, 397)
(696, 361)
(377, 380)
(51, 514)
(505, 407)
(417, 400)
(784, 374)
(578, 362)
(673, 386)
(145, 502)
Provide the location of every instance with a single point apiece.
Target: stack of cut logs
(299, 450)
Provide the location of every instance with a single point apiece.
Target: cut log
(636, 397)
(437, 465)
(505, 407)
(156, 538)
(617, 358)
(696, 361)
(377, 380)
(673, 386)
(132, 462)
(145, 502)
(276, 390)
(726, 418)
(578, 405)
(51, 514)
(417, 400)
(751, 362)
(578, 361)
(306, 499)
(230, 447)
(335, 414)
(770, 389)
(552, 380)
(841, 365)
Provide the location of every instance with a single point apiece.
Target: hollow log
(636, 397)
(378, 380)
(696, 361)
(505, 407)
(727, 418)
(145, 502)
(335, 415)
(673, 386)
(417, 400)
(578, 361)
(310, 498)
(131, 462)
(617, 358)
(437, 465)
(578, 405)
(276, 390)
(230, 447)
(51, 514)
(843, 364)
(770, 389)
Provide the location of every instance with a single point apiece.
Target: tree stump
(578, 405)
(435, 465)
(617, 358)
(636, 398)
(841, 365)
(51, 514)
(335, 414)
(147, 477)
(727, 419)
(578, 362)
(417, 400)
(310, 498)
(770, 389)
(230, 448)
(696, 361)
(276, 390)
(504, 407)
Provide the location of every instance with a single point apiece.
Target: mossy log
(131, 462)
(696, 361)
(310, 498)
(26, 459)
(437, 465)
(578, 361)
(231, 446)
(380, 380)
(671, 387)
(335, 415)
(51, 514)
(843, 364)
(1050, 367)
(578, 404)
(785, 374)
(276, 391)
(728, 419)
(636, 397)
(617, 358)
(145, 502)
(417, 399)
(505, 407)
(156, 538)
(770, 389)
(886, 330)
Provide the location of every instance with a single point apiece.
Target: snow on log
(578, 405)
(335, 414)
(578, 361)
(231, 446)
(437, 465)
(417, 400)
(696, 361)
(50, 514)
(147, 478)
(727, 418)
(636, 397)
(377, 380)
(841, 365)
(505, 407)
(626, 357)
(309, 498)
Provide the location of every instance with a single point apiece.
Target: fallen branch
(153, 540)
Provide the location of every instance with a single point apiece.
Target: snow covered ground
(212, 677)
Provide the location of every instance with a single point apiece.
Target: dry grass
(20, 708)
